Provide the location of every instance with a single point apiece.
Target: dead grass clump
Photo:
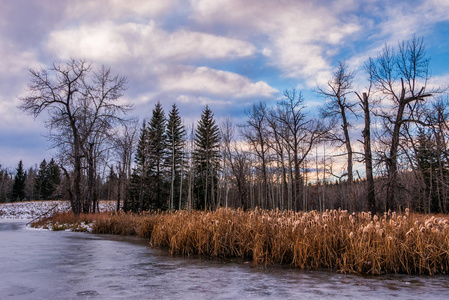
(354, 243)
(67, 221)
(116, 223)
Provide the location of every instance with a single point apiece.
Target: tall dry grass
(337, 240)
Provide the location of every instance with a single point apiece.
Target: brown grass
(356, 243)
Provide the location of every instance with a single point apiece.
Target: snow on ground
(34, 209)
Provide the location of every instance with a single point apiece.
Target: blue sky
(227, 54)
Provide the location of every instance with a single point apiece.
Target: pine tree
(206, 156)
(156, 156)
(5, 184)
(427, 161)
(18, 188)
(138, 193)
(112, 184)
(53, 180)
(47, 181)
(175, 134)
(40, 182)
(147, 181)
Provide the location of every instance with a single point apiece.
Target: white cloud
(209, 81)
(398, 21)
(100, 43)
(200, 100)
(113, 9)
(438, 83)
(298, 32)
(304, 37)
(267, 51)
(110, 42)
(15, 61)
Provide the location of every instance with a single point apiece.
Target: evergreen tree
(5, 184)
(427, 159)
(30, 179)
(206, 156)
(40, 182)
(134, 193)
(111, 184)
(18, 188)
(156, 156)
(138, 193)
(175, 153)
(147, 181)
(53, 181)
(47, 181)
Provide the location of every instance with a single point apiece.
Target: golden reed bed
(336, 240)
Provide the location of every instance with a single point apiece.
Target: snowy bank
(34, 209)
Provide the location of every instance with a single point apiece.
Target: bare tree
(82, 106)
(124, 145)
(368, 157)
(364, 103)
(300, 134)
(277, 131)
(338, 106)
(401, 80)
(235, 166)
(256, 134)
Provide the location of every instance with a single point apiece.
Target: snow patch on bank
(35, 209)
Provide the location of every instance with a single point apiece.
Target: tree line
(43, 183)
(377, 148)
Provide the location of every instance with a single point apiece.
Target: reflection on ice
(51, 265)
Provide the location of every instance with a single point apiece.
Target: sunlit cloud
(223, 53)
(297, 32)
(15, 61)
(214, 82)
(115, 9)
(203, 101)
(109, 42)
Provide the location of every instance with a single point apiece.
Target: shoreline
(333, 240)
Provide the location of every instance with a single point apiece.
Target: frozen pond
(37, 264)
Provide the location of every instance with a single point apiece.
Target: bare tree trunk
(370, 192)
(206, 184)
(349, 151)
(77, 180)
(290, 183)
(391, 160)
(119, 189)
(172, 181)
(180, 183)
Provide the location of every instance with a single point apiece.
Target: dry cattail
(304, 239)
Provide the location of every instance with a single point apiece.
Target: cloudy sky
(224, 53)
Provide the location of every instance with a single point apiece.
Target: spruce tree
(40, 182)
(31, 175)
(138, 193)
(206, 156)
(156, 155)
(427, 158)
(112, 184)
(53, 180)
(47, 181)
(146, 189)
(18, 188)
(175, 134)
(133, 193)
(5, 183)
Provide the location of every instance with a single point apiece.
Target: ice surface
(72, 265)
